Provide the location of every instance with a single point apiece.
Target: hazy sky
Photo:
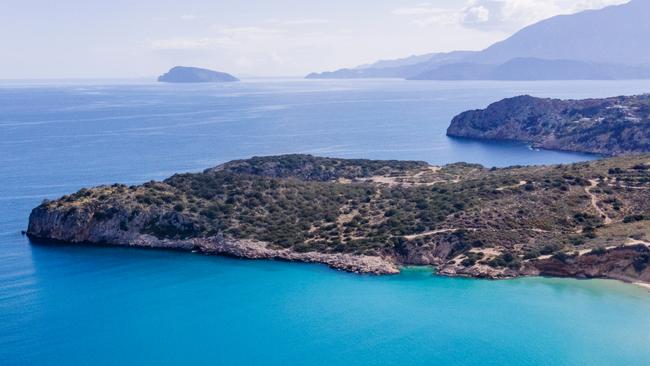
(136, 38)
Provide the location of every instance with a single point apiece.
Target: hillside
(536, 69)
(402, 68)
(615, 34)
(611, 126)
(582, 220)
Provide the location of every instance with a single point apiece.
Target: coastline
(350, 263)
(643, 285)
(248, 250)
(534, 145)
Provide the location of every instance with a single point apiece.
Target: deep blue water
(68, 305)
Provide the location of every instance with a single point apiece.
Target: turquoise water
(69, 305)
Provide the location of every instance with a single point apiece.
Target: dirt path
(428, 233)
(594, 202)
(430, 169)
(637, 242)
(521, 183)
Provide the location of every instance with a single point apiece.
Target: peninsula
(582, 220)
(182, 74)
(610, 126)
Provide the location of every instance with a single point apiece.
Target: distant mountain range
(535, 69)
(402, 68)
(610, 43)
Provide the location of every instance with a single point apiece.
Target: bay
(65, 305)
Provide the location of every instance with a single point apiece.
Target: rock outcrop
(626, 263)
(84, 227)
(611, 126)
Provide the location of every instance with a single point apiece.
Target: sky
(144, 38)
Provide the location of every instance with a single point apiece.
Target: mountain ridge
(607, 43)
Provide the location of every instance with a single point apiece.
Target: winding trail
(594, 202)
(521, 183)
(428, 233)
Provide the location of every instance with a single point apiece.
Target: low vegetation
(406, 210)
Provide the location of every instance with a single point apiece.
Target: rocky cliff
(628, 263)
(611, 126)
(581, 220)
(124, 226)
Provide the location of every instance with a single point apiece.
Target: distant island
(582, 220)
(610, 126)
(610, 43)
(182, 74)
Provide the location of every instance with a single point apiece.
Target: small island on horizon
(184, 74)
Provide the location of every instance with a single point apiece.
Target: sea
(77, 305)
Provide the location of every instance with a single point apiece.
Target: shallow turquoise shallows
(75, 305)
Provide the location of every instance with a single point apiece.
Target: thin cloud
(305, 22)
(503, 15)
(189, 44)
(190, 17)
(421, 9)
(250, 32)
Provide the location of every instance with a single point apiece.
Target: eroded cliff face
(93, 224)
(90, 225)
(627, 263)
(611, 126)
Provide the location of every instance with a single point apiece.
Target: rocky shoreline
(246, 249)
(610, 126)
(53, 226)
(615, 263)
